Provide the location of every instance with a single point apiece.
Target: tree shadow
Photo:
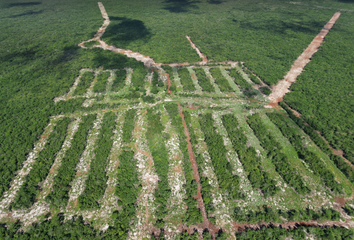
(178, 6)
(126, 31)
(215, 1)
(23, 4)
(26, 14)
(111, 60)
(280, 26)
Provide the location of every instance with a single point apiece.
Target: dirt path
(148, 61)
(206, 222)
(201, 55)
(282, 87)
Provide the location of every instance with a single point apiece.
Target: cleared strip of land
(282, 87)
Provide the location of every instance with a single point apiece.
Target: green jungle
(97, 145)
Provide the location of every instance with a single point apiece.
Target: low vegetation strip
(108, 204)
(223, 170)
(48, 183)
(66, 173)
(186, 80)
(282, 86)
(176, 206)
(245, 86)
(217, 204)
(220, 80)
(17, 182)
(315, 163)
(186, 120)
(83, 166)
(101, 84)
(128, 126)
(84, 83)
(26, 195)
(193, 214)
(159, 153)
(127, 191)
(203, 80)
(249, 157)
(246, 190)
(119, 81)
(146, 206)
(275, 152)
(96, 181)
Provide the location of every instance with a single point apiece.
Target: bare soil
(206, 222)
(283, 86)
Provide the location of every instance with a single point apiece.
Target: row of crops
(128, 83)
(230, 183)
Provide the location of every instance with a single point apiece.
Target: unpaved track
(148, 61)
(282, 87)
(206, 223)
(201, 55)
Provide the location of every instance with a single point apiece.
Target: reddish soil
(169, 84)
(282, 87)
(206, 223)
(201, 55)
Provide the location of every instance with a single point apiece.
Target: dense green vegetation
(138, 78)
(119, 82)
(248, 157)
(156, 84)
(228, 182)
(251, 75)
(245, 87)
(200, 161)
(323, 93)
(76, 228)
(186, 79)
(220, 80)
(193, 214)
(268, 214)
(203, 80)
(169, 71)
(298, 233)
(314, 162)
(96, 181)
(61, 187)
(127, 190)
(160, 155)
(84, 83)
(101, 83)
(26, 196)
(341, 164)
(276, 153)
(128, 125)
(265, 90)
(39, 60)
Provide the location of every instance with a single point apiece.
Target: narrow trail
(283, 86)
(206, 222)
(201, 55)
(148, 61)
